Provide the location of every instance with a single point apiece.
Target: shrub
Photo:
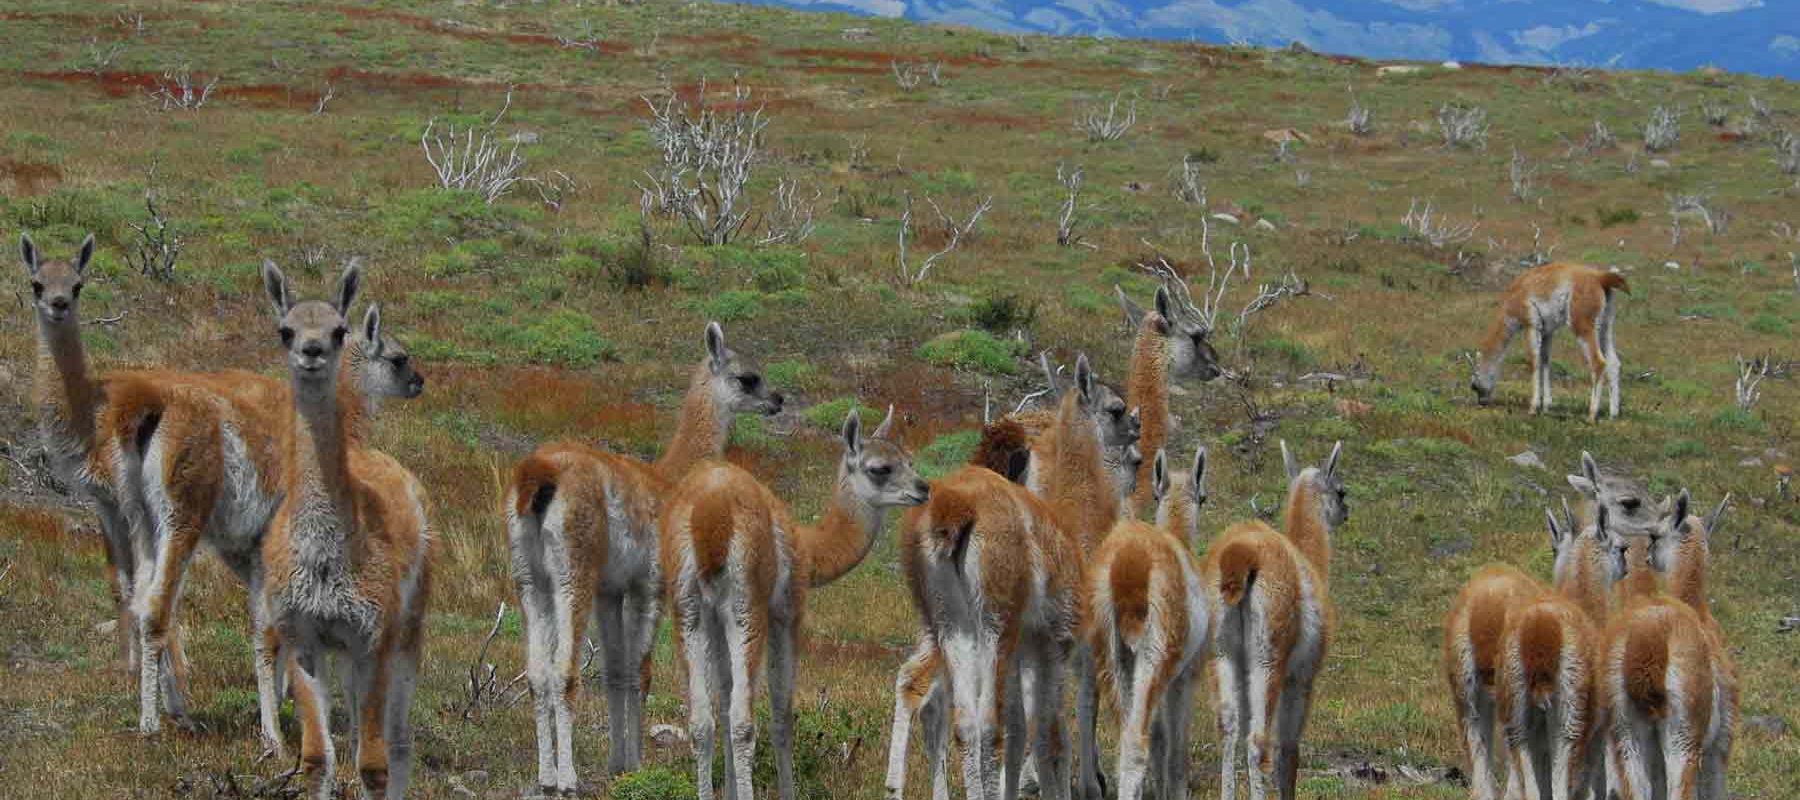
(973, 350)
(732, 306)
(1608, 217)
(1769, 324)
(946, 453)
(561, 338)
(830, 415)
(787, 375)
(1004, 313)
(653, 783)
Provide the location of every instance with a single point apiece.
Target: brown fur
(1129, 578)
(1236, 565)
(711, 527)
(1147, 389)
(1002, 445)
(1540, 652)
(1646, 662)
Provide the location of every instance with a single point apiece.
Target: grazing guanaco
(738, 572)
(1171, 343)
(1663, 672)
(199, 455)
(1271, 600)
(1547, 685)
(1541, 301)
(1076, 496)
(582, 528)
(346, 557)
(1147, 626)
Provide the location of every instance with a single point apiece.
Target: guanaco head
(1483, 380)
(55, 285)
(313, 331)
(1117, 424)
(879, 472)
(1683, 540)
(1186, 336)
(736, 378)
(1179, 497)
(1578, 551)
(381, 364)
(1325, 485)
(1627, 501)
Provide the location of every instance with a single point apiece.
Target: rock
(459, 790)
(1452, 65)
(524, 137)
(475, 776)
(1459, 546)
(1137, 187)
(1768, 724)
(106, 628)
(1265, 225)
(667, 736)
(1226, 218)
(1527, 459)
(1397, 69)
(1752, 461)
(857, 34)
(1279, 135)
(1369, 773)
(1298, 47)
(1675, 265)
(1659, 163)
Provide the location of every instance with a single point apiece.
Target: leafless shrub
(905, 75)
(1189, 188)
(1019, 43)
(858, 148)
(790, 218)
(707, 157)
(1523, 174)
(587, 39)
(1663, 129)
(157, 245)
(1716, 216)
(1750, 377)
(326, 95)
(132, 21)
(1071, 180)
(1787, 153)
(1600, 137)
(648, 49)
(176, 91)
(1714, 115)
(1219, 284)
(1760, 109)
(554, 188)
(934, 71)
(1360, 119)
(1284, 151)
(469, 158)
(484, 686)
(1111, 126)
(1463, 126)
(1434, 228)
(955, 231)
(1302, 178)
(98, 58)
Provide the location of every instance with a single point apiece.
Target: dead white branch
(1108, 127)
(707, 159)
(1750, 377)
(1435, 228)
(955, 231)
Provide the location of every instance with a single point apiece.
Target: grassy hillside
(535, 320)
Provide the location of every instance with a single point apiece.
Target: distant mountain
(1754, 36)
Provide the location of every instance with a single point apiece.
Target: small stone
(1226, 218)
(1265, 225)
(667, 736)
(1460, 546)
(1673, 265)
(1527, 459)
(1452, 65)
(1768, 724)
(1752, 461)
(106, 628)
(1659, 163)
(462, 791)
(525, 137)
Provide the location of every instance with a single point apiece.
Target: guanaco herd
(1030, 570)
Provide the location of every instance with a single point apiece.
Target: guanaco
(1171, 342)
(582, 528)
(1541, 301)
(738, 572)
(1271, 600)
(346, 557)
(1147, 626)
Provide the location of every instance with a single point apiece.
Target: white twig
(956, 232)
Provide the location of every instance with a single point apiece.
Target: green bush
(1736, 419)
(973, 350)
(830, 414)
(1608, 217)
(561, 338)
(946, 453)
(1769, 324)
(653, 783)
(787, 375)
(732, 306)
(1003, 313)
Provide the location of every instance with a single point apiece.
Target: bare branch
(1750, 376)
(1463, 126)
(1108, 128)
(1436, 229)
(956, 233)
(707, 157)
(1663, 129)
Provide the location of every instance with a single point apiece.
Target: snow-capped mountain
(1755, 36)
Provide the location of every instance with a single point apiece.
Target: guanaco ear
(276, 285)
(1134, 313)
(372, 326)
(28, 254)
(1678, 510)
(1711, 524)
(715, 347)
(1332, 462)
(887, 424)
(1084, 381)
(1601, 518)
(1049, 373)
(87, 254)
(1569, 517)
(1200, 476)
(853, 432)
(1164, 305)
(1556, 531)
(1159, 477)
(1288, 462)
(348, 286)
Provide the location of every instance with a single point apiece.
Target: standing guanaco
(1541, 301)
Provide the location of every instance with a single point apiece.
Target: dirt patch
(972, 118)
(29, 178)
(716, 38)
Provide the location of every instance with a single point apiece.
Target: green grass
(535, 323)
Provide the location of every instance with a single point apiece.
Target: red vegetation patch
(971, 117)
(41, 526)
(1731, 136)
(716, 38)
(405, 80)
(466, 32)
(840, 69)
(117, 83)
(29, 177)
(927, 402)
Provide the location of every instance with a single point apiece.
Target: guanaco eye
(1629, 503)
(287, 335)
(881, 470)
(400, 361)
(750, 383)
(338, 334)
(76, 291)
(37, 289)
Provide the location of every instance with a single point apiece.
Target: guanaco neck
(1306, 527)
(1688, 580)
(1076, 478)
(1177, 515)
(327, 416)
(1147, 390)
(701, 432)
(841, 540)
(64, 394)
(1493, 345)
(1585, 583)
